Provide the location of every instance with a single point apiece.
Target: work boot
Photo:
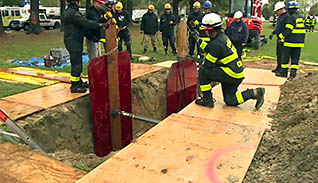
(275, 70)
(154, 49)
(174, 52)
(293, 73)
(78, 89)
(259, 97)
(205, 102)
(145, 50)
(281, 73)
(166, 51)
(84, 84)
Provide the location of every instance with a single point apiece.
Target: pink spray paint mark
(216, 155)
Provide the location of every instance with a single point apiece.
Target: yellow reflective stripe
(284, 66)
(205, 87)
(281, 36)
(299, 31)
(205, 39)
(203, 45)
(294, 45)
(300, 20)
(75, 79)
(103, 40)
(210, 58)
(239, 98)
(229, 72)
(289, 26)
(300, 25)
(294, 66)
(229, 59)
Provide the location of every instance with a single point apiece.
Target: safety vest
(222, 53)
(313, 22)
(308, 22)
(294, 32)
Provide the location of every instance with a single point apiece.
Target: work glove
(108, 15)
(196, 23)
(104, 25)
(114, 21)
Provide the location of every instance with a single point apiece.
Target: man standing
(95, 13)
(193, 22)
(293, 36)
(167, 24)
(313, 23)
(149, 28)
(123, 21)
(75, 25)
(238, 33)
(281, 21)
(222, 64)
(308, 23)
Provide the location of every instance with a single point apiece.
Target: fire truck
(252, 11)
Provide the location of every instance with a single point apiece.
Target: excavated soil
(65, 132)
(289, 151)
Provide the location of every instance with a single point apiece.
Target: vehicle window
(17, 13)
(42, 17)
(12, 13)
(5, 13)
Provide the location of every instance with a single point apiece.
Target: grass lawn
(18, 45)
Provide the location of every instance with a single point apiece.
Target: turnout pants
(192, 45)
(229, 86)
(292, 54)
(279, 53)
(124, 35)
(169, 38)
(239, 48)
(76, 68)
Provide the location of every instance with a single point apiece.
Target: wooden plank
(45, 97)
(262, 77)
(26, 79)
(183, 149)
(138, 70)
(17, 110)
(24, 166)
(167, 64)
(113, 86)
(182, 41)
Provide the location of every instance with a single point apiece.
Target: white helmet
(238, 14)
(212, 20)
(279, 5)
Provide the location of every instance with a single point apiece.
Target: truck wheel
(256, 41)
(12, 27)
(56, 25)
(26, 27)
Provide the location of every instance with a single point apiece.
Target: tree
(1, 23)
(62, 13)
(12, 2)
(267, 12)
(314, 9)
(35, 11)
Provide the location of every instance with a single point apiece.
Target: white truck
(23, 23)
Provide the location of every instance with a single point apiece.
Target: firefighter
(149, 28)
(75, 25)
(223, 65)
(313, 23)
(238, 33)
(274, 20)
(123, 21)
(95, 13)
(293, 36)
(207, 5)
(308, 23)
(167, 24)
(193, 22)
(280, 10)
(110, 6)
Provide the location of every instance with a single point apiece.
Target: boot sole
(259, 103)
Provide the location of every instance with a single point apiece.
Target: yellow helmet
(119, 6)
(151, 7)
(196, 5)
(167, 6)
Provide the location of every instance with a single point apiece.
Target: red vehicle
(252, 11)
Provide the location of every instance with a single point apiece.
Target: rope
(111, 51)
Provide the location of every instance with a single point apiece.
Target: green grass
(18, 45)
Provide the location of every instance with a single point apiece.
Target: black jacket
(193, 16)
(74, 26)
(165, 27)
(97, 16)
(123, 19)
(222, 53)
(281, 21)
(149, 23)
(238, 32)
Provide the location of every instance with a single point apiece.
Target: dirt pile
(289, 151)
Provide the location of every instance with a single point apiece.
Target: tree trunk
(62, 14)
(88, 4)
(35, 12)
(1, 26)
(130, 7)
(175, 6)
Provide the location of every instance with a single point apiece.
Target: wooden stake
(182, 39)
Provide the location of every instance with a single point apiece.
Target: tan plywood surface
(138, 70)
(167, 64)
(262, 77)
(183, 149)
(24, 166)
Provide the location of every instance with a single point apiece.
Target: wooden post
(114, 99)
(182, 39)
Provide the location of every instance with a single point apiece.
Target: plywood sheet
(24, 166)
(17, 110)
(183, 149)
(41, 71)
(167, 64)
(46, 97)
(262, 77)
(26, 79)
(244, 114)
(138, 70)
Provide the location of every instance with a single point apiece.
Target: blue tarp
(39, 62)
